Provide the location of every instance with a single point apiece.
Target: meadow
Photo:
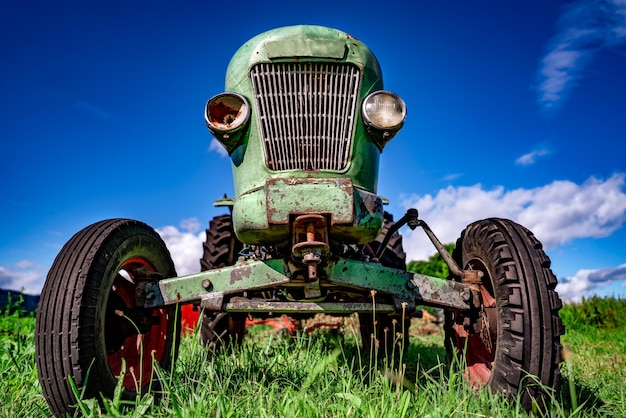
(325, 374)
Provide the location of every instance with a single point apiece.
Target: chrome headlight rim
(375, 120)
(226, 113)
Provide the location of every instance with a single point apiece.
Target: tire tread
(527, 303)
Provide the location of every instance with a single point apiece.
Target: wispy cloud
(24, 275)
(531, 157)
(451, 177)
(586, 282)
(217, 147)
(585, 27)
(540, 150)
(557, 213)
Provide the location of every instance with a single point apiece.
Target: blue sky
(515, 110)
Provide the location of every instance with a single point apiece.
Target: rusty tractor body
(304, 118)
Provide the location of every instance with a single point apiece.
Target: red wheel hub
(480, 350)
(141, 351)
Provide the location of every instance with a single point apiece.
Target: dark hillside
(29, 302)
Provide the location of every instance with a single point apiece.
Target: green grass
(595, 353)
(321, 375)
(20, 394)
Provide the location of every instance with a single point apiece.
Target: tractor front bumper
(221, 289)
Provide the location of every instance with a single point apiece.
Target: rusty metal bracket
(410, 219)
(209, 287)
(241, 305)
(442, 293)
(468, 277)
(403, 286)
(146, 286)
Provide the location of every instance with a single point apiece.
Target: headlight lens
(226, 113)
(384, 110)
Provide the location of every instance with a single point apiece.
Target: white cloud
(184, 244)
(24, 275)
(451, 177)
(587, 282)
(584, 28)
(190, 224)
(531, 157)
(217, 147)
(557, 213)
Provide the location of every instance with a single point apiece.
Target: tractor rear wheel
(88, 327)
(518, 331)
(220, 250)
(384, 329)
(394, 255)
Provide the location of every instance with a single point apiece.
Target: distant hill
(29, 304)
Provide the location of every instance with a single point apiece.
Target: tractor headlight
(383, 113)
(225, 116)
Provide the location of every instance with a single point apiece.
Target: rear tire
(221, 249)
(394, 255)
(80, 332)
(518, 296)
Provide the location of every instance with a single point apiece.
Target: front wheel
(88, 328)
(517, 331)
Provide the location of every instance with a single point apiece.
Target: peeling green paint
(227, 280)
(212, 286)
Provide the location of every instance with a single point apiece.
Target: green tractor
(304, 119)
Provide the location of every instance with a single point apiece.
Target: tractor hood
(310, 43)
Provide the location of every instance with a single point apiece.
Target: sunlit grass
(323, 374)
(595, 353)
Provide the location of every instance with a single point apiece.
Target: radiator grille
(306, 113)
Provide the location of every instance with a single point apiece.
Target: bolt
(311, 258)
(206, 283)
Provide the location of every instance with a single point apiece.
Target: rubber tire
(394, 255)
(221, 249)
(72, 328)
(518, 286)
(382, 327)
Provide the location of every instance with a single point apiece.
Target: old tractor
(304, 118)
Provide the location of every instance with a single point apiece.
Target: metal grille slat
(306, 113)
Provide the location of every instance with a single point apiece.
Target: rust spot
(240, 273)
(224, 111)
(271, 212)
